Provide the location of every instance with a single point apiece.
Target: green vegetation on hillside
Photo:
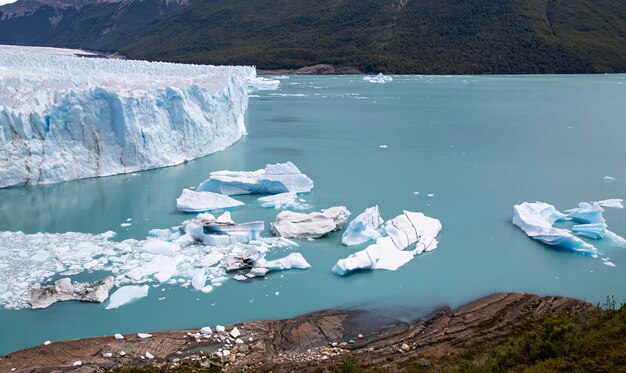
(393, 36)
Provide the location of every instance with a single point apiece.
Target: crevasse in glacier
(64, 117)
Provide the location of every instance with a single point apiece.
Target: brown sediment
(308, 342)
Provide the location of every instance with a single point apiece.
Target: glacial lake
(477, 144)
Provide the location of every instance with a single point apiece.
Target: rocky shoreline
(311, 342)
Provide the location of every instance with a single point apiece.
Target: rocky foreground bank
(310, 342)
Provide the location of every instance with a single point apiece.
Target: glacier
(64, 117)
(183, 255)
(389, 252)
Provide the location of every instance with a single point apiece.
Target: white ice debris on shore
(263, 84)
(316, 224)
(194, 201)
(389, 252)
(380, 78)
(537, 218)
(64, 117)
(287, 200)
(126, 294)
(63, 290)
(363, 228)
(27, 259)
(273, 179)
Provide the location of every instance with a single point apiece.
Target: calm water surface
(479, 144)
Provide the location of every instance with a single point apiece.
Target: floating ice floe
(389, 252)
(126, 294)
(316, 224)
(283, 201)
(173, 256)
(263, 84)
(63, 290)
(74, 117)
(194, 201)
(363, 228)
(536, 219)
(273, 179)
(380, 78)
(612, 203)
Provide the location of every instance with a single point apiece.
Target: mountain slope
(397, 36)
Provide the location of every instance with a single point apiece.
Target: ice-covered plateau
(64, 117)
(389, 252)
(200, 253)
(536, 220)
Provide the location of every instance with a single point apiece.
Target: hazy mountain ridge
(407, 36)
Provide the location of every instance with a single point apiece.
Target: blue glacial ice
(273, 179)
(389, 252)
(194, 201)
(537, 218)
(365, 227)
(126, 294)
(289, 224)
(114, 116)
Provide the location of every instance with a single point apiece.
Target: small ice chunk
(77, 363)
(609, 178)
(220, 328)
(125, 225)
(587, 213)
(46, 343)
(149, 355)
(107, 354)
(612, 203)
(199, 279)
(609, 263)
(122, 353)
(126, 294)
(363, 228)
(206, 330)
(238, 341)
(383, 146)
(160, 247)
(198, 201)
(235, 333)
(118, 336)
(380, 78)
(293, 260)
(144, 335)
(225, 218)
(207, 289)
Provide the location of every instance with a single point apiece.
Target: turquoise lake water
(479, 144)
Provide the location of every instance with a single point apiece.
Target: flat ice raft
(64, 117)
(536, 220)
(389, 252)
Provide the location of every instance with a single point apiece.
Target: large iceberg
(273, 179)
(363, 228)
(193, 201)
(64, 117)
(537, 218)
(316, 224)
(389, 252)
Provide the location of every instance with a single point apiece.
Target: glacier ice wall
(64, 117)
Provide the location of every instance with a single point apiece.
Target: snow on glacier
(389, 252)
(30, 259)
(64, 117)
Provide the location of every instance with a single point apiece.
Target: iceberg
(263, 84)
(363, 228)
(588, 213)
(290, 224)
(283, 201)
(389, 252)
(612, 203)
(193, 201)
(380, 78)
(536, 219)
(64, 117)
(63, 290)
(126, 294)
(273, 179)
